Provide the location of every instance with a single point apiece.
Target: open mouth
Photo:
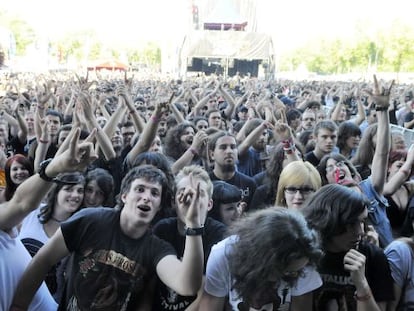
(144, 208)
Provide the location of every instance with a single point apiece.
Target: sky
(289, 22)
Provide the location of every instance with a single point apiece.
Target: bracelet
(365, 297)
(154, 118)
(193, 151)
(381, 108)
(132, 111)
(42, 170)
(194, 231)
(43, 141)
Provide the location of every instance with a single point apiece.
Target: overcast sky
(291, 22)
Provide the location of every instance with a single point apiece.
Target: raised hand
(381, 94)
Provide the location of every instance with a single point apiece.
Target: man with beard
(308, 120)
(253, 149)
(224, 154)
(325, 134)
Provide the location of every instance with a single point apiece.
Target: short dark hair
(149, 173)
(53, 112)
(223, 193)
(325, 124)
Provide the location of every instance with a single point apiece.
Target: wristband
(381, 108)
(43, 141)
(194, 231)
(154, 118)
(42, 170)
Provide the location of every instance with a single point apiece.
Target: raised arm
(185, 276)
(103, 140)
(381, 98)
(400, 177)
(30, 193)
(231, 104)
(252, 137)
(150, 131)
(135, 117)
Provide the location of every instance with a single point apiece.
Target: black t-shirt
(109, 270)
(338, 285)
(165, 298)
(15, 146)
(263, 197)
(245, 183)
(409, 117)
(311, 157)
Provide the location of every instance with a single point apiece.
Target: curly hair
(275, 235)
(174, 148)
(159, 161)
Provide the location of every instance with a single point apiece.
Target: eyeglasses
(302, 190)
(339, 164)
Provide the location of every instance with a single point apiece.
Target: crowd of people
(207, 193)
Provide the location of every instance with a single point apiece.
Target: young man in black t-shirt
(113, 252)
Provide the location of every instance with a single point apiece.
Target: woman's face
(69, 198)
(229, 213)
(18, 173)
(156, 145)
(352, 142)
(394, 167)
(297, 195)
(337, 172)
(94, 196)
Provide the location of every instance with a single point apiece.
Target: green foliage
(388, 50)
(24, 35)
